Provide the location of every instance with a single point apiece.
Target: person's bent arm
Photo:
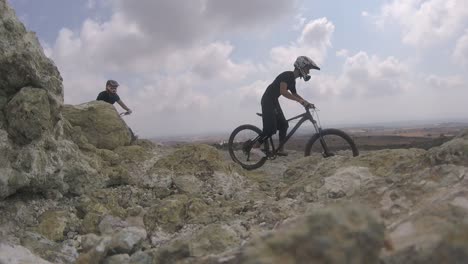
(295, 97)
(296, 94)
(304, 102)
(284, 92)
(122, 104)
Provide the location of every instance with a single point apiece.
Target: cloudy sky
(197, 66)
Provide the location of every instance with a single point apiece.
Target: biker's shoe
(282, 153)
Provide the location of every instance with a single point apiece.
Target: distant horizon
(391, 124)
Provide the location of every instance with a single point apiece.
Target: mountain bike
(325, 142)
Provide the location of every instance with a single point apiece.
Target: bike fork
(326, 152)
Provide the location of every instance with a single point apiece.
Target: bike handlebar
(310, 106)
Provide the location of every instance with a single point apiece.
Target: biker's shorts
(272, 117)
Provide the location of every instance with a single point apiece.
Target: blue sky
(202, 65)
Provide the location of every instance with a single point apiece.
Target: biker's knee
(269, 131)
(283, 125)
(283, 130)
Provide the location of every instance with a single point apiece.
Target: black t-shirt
(273, 90)
(108, 97)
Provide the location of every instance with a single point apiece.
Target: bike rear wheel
(332, 142)
(240, 147)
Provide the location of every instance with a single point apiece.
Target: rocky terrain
(75, 188)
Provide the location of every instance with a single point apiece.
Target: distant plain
(367, 137)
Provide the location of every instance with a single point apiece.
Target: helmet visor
(313, 67)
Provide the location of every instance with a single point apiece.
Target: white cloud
(374, 89)
(425, 22)
(132, 43)
(213, 61)
(342, 53)
(173, 66)
(460, 54)
(252, 93)
(181, 25)
(139, 34)
(314, 41)
(445, 84)
(365, 76)
(90, 4)
(247, 13)
(300, 22)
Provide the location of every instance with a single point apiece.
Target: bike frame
(303, 117)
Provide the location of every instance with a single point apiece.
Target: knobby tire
(232, 145)
(315, 139)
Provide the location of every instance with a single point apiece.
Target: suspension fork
(327, 152)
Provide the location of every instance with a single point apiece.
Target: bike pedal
(271, 157)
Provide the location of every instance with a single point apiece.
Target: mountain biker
(285, 85)
(110, 95)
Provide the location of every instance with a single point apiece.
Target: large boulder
(209, 240)
(198, 159)
(452, 152)
(197, 169)
(168, 214)
(35, 154)
(341, 234)
(315, 178)
(29, 115)
(99, 123)
(23, 62)
(45, 166)
(18, 254)
(436, 231)
(52, 251)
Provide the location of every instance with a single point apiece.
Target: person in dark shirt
(110, 95)
(285, 85)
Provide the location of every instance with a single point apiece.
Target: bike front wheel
(240, 146)
(331, 142)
